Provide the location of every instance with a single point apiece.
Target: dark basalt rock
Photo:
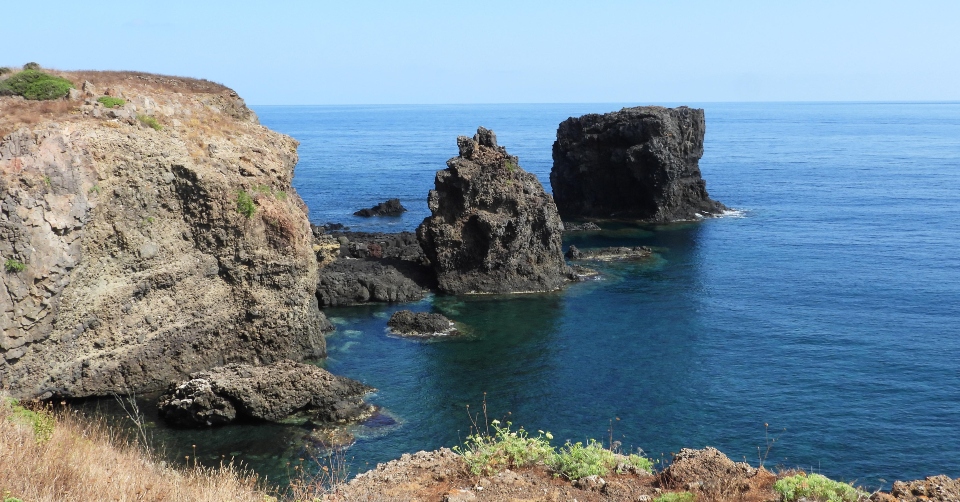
(391, 207)
(420, 324)
(282, 391)
(580, 227)
(374, 267)
(493, 228)
(639, 163)
(609, 254)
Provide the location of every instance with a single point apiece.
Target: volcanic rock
(281, 391)
(640, 163)
(609, 253)
(420, 324)
(391, 207)
(580, 227)
(493, 228)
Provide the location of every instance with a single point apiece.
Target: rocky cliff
(148, 240)
(493, 229)
(639, 163)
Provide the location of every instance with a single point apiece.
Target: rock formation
(373, 267)
(580, 227)
(640, 163)
(140, 254)
(282, 391)
(493, 229)
(618, 253)
(391, 207)
(420, 324)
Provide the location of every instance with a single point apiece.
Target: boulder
(617, 253)
(493, 228)
(283, 391)
(420, 324)
(640, 163)
(391, 207)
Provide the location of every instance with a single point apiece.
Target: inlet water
(827, 307)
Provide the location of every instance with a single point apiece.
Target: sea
(815, 325)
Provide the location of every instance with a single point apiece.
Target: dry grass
(141, 80)
(16, 112)
(83, 459)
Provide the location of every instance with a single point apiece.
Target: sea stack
(639, 163)
(493, 228)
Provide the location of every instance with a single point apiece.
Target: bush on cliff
(35, 85)
(12, 265)
(816, 487)
(245, 205)
(576, 461)
(110, 101)
(487, 454)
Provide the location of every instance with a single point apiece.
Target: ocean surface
(823, 313)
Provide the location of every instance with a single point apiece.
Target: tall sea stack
(639, 163)
(493, 229)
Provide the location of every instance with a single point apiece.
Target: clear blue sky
(492, 51)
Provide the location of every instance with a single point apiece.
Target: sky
(491, 51)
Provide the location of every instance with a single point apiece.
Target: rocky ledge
(609, 254)
(283, 391)
(147, 241)
(421, 325)
(391, 207)
(493, 228)
(639, 163)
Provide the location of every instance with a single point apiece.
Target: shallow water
(828, 306)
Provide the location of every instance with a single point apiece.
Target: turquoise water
(828, 306)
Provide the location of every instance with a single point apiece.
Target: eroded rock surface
(639, 163)
(619, 253)
(420, 324)
(141, 265)
(493, 228)
(372, 267)
(580, 227)
(285, 390)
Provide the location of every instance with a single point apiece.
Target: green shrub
(111, 102)
(149, 122)
(35, 85)
(486, 454)
(676, 497)
(12, 265)
(41, 421)
(4, 70)
(575, 461)
(245, 205)
(31, 66)
(816, 487)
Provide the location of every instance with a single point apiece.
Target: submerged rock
(420, 324)
(580, 227)
(493, 228)
(609, 253)
(277, 392)
(640, 163)
(390, 207)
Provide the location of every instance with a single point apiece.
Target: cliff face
(149, 254)
(640, 163)
(493, 228)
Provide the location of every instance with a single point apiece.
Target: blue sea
(822, 314)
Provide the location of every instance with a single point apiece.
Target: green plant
(487, 454)
(31, 66)
(8, 498)
(511, 166)
(94, 189)
(4, 70)
(245, 205)
(576, 460)
(149, 122)
(41, 421)
(12, 265)
(46, 180)
(35, 85)
(676, 497)
(111, 102)
(280, 195)
(816, 487)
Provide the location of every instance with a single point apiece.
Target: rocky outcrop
(580, 227)
(150, 253)
(493, 229)
(619, 253)
(282, 391)
(639, 163)
(420, 324)
(373, 267)
(391, 207)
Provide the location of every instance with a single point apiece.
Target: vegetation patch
(245, 205)
(486, 454)
(149, 122)
(12, 265)
(111, 102)
(676, 497)
(816, 487)
(35, 85)
(576, 460)
(31, 66)
(4, 70)
(40, 420)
